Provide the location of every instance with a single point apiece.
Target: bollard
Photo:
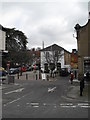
(81, 84)
(47, 77)
(81, 88)
(11, 79)
(36, 76)
(18, 75)
(21, 73)
(53, 75)
(39, 75)
(26, 76)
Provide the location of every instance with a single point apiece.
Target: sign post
(8, 65)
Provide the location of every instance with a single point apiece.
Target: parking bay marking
(18, 90)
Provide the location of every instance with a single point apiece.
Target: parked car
(23, 69)
(13, 70)
(64, 72)
(87, 76)
(3, 73)
(29, 68)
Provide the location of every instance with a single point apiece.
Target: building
(34, 56)
(56, 57)
(83, 45)
(2, 42)
(74, 62)
(2, 38)
(74, 59)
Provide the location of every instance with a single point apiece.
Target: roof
(2, 28)
(53, 48)
(78, 27)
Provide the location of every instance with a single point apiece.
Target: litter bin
(11, 79)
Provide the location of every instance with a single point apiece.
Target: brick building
(83, 45)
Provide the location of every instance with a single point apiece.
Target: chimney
(43, 45)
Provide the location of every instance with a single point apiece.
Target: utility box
(10, 79)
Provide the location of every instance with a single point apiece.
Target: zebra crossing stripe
(68, 105)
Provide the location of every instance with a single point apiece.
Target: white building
(2, 42)
(2, 38)
(55, 54)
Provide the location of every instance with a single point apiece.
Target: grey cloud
(51, 22)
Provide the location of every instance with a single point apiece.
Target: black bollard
(81, 85)
(39, 75)
(36, 76)
(47, 77)
(18, 75)
(26, 76)
(81, 88)
(21, 73)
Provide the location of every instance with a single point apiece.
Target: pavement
(74, 91)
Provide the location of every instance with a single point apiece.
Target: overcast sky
(51, 21)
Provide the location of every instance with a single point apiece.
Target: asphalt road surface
(41, 99)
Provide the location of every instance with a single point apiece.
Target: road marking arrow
(18, 90)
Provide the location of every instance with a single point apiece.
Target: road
(41, 99)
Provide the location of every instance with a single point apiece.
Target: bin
(11, 79)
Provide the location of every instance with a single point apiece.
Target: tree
(16, 42)
(52, 57)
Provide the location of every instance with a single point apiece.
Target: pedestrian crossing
(59, 105)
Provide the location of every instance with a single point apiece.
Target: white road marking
(34, 104)
(68, 105)
(14, 100)
(51, 89)
(18, 90)
(80, 104)
(65, 106)
(62, 105)
(85, 106)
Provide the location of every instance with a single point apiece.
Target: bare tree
(52, 57)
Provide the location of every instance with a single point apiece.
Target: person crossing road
(71, 77)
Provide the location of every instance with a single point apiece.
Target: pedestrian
(81, 85)
(87, 75)
(71, 77)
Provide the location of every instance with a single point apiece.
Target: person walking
(71, 77)
(82, 84)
